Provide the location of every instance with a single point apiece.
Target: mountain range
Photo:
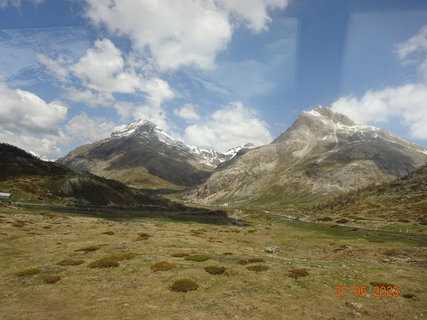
(142, 155)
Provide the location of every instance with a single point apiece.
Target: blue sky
(214, 73)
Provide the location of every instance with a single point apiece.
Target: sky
(213, 73)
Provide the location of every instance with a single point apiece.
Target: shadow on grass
(186, 214)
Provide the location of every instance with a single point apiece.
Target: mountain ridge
(322, 153)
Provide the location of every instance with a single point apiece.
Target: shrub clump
(297, 273)
(381, 284)
(70, 262)
(215, 270)
(198, 257)
(162, 266)
(179, 254)
(52, 279)
(28, 272)
(257, 268)
(110, 233)
(184, 285)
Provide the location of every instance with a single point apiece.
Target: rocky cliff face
(323, 153)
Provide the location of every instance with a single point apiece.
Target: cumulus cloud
(187, 111)
(407, 102)
(103, 69)
(29, 122)
(23, 111)
(86, 129)
(175, 32)
(228, 127)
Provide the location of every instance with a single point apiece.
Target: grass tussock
(227, 253)
(298, 273)
(198, 257)
(52, 279)
(381, 284)
(250, 260)
(88, 249)
(391, 252)
(257, 268)
(112, 261)
(104, 263)
(162, 266)
(184, 285)
(28, 272)
(109, 233)
(215, 270)
(179, 254)
(142, 236)
(70, 262)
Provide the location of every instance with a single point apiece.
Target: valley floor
(304, 262)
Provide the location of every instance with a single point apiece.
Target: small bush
(227, 253)
(297, 273)
(162, 266)
(215, 270)
(89, 249)
(179, 254)
(184, 285)
(28, 272)
(325, 219)
(70, 262)
(110, 233)
(257, 268)
(52, 279)
(104, 263)
(198, 257)
(409, 295)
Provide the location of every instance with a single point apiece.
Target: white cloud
(414, 51)
(408, 102)
(103, 69)
(29, 122)
(228, 127)
(23, 111)
(187, 111)
(89, 97)
(86, 129)
(254, 12)
(56, 67)
(180, 32)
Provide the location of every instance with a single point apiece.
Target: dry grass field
(69, 266)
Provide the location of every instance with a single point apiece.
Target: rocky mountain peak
(136, 126)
